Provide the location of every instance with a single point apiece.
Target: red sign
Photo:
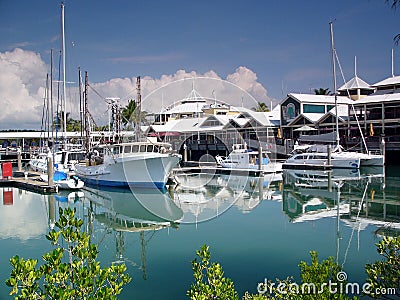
(7, 169)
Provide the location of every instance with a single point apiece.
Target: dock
(28, 181)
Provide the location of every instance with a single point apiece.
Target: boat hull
(137, 172)
(320, 160)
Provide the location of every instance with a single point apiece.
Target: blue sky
(285, 43)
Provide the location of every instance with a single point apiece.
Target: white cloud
(22, 81)
(22, 87)
(25, 218)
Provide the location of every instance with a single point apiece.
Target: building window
(309, 108)
(290, 111)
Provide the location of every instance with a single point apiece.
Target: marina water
(256, 228)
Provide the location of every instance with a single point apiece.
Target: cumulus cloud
(22, 88)
(22, 81)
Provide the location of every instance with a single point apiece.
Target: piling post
(184, 153)
(329, 155)
(260, 157)
(50, 171)
(383, 147)
(19, 159)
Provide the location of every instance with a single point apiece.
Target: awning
(305, 128)
(319, 138)
(168, 133)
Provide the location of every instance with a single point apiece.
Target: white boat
(338, 158)
(366, 159)
(309, 160)
(64, 181)
(64, 160)
(141, 164)
(39, 162)
(242, 158)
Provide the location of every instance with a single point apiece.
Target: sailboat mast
(51, 101)
(86, 113)
(64, 82)
(334, 83)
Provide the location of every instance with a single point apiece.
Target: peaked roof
(394, 80)
(322, 99)
(311, 117)
(355, 83)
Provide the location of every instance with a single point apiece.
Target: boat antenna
(334, 83)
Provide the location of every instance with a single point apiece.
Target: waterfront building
(202, 126)
(374, 110)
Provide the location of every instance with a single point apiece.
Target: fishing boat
(139, 164)
(242, 158)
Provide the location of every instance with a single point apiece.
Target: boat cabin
(131, 148)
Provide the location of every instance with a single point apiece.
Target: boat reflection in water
(205, 196)
(132, 211)
(359, 199)
(356, 200)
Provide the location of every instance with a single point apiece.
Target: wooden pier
(28, 181)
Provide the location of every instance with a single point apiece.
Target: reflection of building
(363, 199)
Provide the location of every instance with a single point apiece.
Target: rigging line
(98, 94)
(43, 118)
(357, 220)
(352, 106)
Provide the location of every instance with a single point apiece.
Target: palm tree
(394, 5)
(322, 91)
(261, 107)
(130, 114)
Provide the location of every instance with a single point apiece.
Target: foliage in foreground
(385, 274)
(70, 270)
(210, 280)
(382, 276)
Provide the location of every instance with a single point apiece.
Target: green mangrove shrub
(70, 270)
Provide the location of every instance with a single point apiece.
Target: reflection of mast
(119, 243)
(143, 254)
(338, 221)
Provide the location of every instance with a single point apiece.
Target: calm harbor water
(256, 228)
